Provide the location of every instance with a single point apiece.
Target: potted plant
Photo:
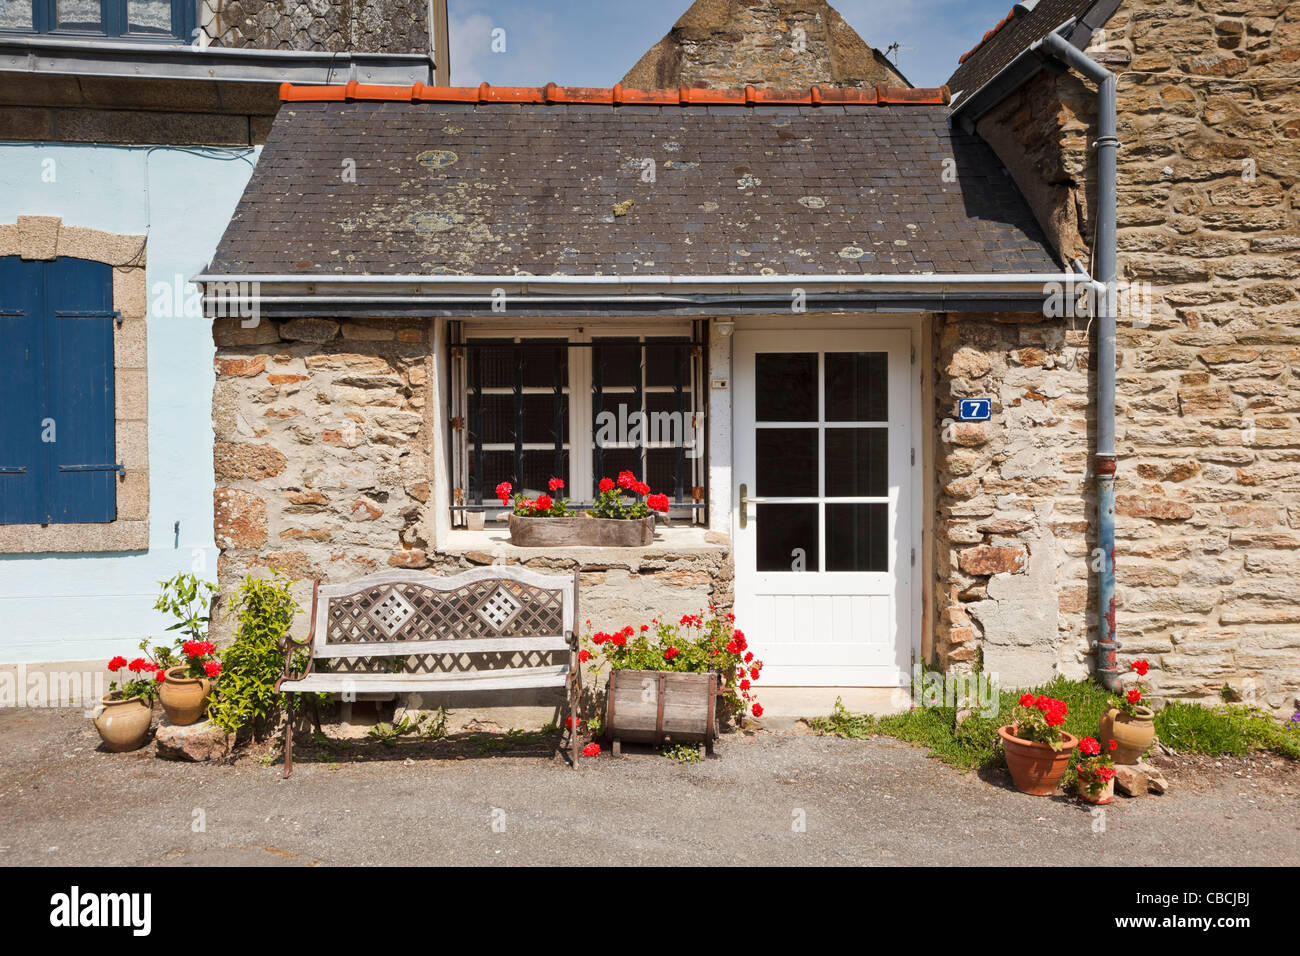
(1096, 772)
(125, 712)
(622, 516)
(667, 681)
(1128, 722)
(1036, 745)
(190, 665)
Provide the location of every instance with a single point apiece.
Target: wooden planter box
(587, 532)
(658, 707)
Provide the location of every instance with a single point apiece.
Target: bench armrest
(293, 648)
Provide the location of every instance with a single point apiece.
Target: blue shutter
(82, 469)
(22, 390)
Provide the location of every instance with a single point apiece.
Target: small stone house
(863, 319)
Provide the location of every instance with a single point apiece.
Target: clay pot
(1133, 736)
(1104, 796)
(1035, 768)
(123, 724)
(182, 697)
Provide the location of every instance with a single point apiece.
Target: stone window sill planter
(584, 531)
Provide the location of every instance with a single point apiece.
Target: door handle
(744, 502)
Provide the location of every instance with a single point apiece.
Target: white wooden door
(823, 449)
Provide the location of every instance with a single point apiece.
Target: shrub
(246, 696)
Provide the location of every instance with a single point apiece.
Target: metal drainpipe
(1104, 273)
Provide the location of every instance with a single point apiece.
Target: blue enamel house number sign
(975, 409)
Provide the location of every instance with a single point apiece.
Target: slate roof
(501, 189)
(1014, 34)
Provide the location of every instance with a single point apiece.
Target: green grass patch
(1233, 730)
(973, 744)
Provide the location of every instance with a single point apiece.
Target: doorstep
(784, 707)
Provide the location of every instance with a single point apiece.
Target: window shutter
(22, 387)
(82, 464)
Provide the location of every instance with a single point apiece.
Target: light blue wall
(83, 607)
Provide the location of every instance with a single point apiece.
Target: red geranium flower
(212, 668)
(1134, 696)
(568, 722)
(584, 655)
(1026, 700)
(161, 675)
(606, 485)
(658, 503)
(556, 484)
(641, 488)
(503, 492)
(137, 665)
(670, 653)
(591, 750)
(1089, 746)
(1111, 745)
(619, 639)
(626, 480)
(117, 663)
(753, 672)
(1141, 667)
(758, 710)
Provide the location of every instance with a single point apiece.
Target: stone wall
(777, 44)
(1013, 529)
(1208, 506)
(324, 463)
(357, 26)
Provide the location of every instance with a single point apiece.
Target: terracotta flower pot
(182, 697)
(1133, 736)
(1035, 768)
(123, 724)
(1103, 796)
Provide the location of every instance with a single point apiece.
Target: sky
(594, 42)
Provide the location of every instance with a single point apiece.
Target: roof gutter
(238, 294)
(1104, 269)
(176, 61)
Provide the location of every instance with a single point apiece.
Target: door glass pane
(856, 386)
(857, 537)
(149, 16)
(857, 462)
(17, 15)
(79, 15)
(785, 461)
(786, 537)
(786, 387)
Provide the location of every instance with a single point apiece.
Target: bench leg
(288, 737)
(573, 721)
(315, 717)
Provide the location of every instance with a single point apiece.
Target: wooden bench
(409, 632)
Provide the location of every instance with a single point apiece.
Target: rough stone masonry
(1208, 508)
(323, 463)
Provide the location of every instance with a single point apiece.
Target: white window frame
(579, 390)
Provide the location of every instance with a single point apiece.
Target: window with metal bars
(579, 408)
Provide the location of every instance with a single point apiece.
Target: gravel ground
(65, 801)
